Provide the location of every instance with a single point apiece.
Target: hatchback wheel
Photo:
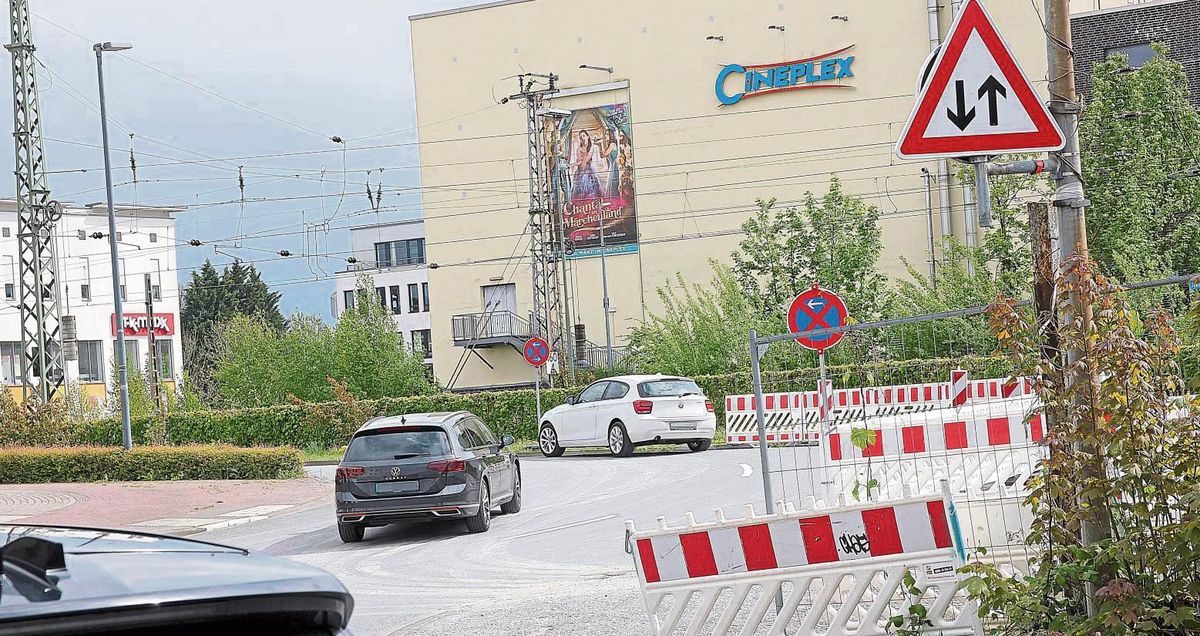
(698, 445)
(351, 532)
(618, 440)
(482, 520)
(548, 441)
(513, 506)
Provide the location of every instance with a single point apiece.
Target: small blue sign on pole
(1194, 284)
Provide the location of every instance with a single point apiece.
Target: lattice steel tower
(42, 355)
(550, 317)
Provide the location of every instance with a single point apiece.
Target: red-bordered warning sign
(977, 100)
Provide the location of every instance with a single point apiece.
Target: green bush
(24, 465)
(329, 424)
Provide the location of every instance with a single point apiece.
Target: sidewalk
(164, 507)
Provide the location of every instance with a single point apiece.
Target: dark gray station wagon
(425, 465)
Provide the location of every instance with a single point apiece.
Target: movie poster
(593, 177)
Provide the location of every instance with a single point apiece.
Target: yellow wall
(778, 145)
(96, 392)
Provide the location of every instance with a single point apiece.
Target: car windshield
(398, 444)
(673, 387)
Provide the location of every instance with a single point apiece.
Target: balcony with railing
(486, 329)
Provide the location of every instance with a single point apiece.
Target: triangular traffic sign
(977, 101)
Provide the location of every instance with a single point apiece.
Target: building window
(164, 358)
(414, 298)
(383, 254)
(10, 363)
(1138, 54)
(397, 302)
(85, 292)
(91, 361)
(5, 232)
(132, 360)
(9, 292)
(425, 295)
(382, 293)
(422, 342)
(348, 300)
(409, 252)
(153, 237)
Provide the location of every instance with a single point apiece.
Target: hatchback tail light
(643, 407)
(350, 472)
(447, 465)
(708, 406)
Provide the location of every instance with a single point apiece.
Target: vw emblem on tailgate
(396, 470)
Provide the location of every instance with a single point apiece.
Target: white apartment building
(146, 245)
(393, 255)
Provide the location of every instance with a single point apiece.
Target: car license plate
(683, 426)
(397, 486)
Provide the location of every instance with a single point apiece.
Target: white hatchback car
(625, 411)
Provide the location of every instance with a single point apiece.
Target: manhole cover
(23, 503)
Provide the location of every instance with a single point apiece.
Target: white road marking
(746, 470)
(257, 511)
(562, 527)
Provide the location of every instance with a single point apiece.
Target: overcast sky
(317, 68)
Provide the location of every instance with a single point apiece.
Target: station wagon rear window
(671, 387)
(388, 444)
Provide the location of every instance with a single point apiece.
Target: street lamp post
(122, 376)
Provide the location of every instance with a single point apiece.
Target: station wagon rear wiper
(407, 455)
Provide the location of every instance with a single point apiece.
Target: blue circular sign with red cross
(536, 351)
(817, 309)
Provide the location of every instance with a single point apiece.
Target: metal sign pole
(537, 391)
(983, 193)
(760, 415)
(823, 396)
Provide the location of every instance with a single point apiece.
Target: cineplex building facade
(671, 118)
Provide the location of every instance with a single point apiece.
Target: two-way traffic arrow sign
(976, 71)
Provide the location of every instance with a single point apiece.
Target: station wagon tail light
(708, 406)
(643, 407)
(350, 472)
(447, 465)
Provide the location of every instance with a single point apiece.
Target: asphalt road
(557, 567)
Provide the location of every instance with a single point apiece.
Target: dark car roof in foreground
(119, 570)
(439, 418)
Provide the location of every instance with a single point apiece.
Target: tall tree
(209, 301)
(1139, 137)
(834, 240)
(258, 366)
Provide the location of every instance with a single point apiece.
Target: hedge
(507, 412)
(24, 465)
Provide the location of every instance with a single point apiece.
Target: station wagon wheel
(482, 520)
(618, 440)
(513, 506)
(350, 532)
(548, 441)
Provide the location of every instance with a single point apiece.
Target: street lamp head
(112, 46)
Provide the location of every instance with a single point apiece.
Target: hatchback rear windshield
(410, 442)
(669, 388)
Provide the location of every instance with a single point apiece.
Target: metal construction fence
(849, 440)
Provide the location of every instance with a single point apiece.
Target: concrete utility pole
(1072, 229)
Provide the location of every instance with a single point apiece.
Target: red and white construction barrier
(840, 568)
(797, 413)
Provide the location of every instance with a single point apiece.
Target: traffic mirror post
(983, 191)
